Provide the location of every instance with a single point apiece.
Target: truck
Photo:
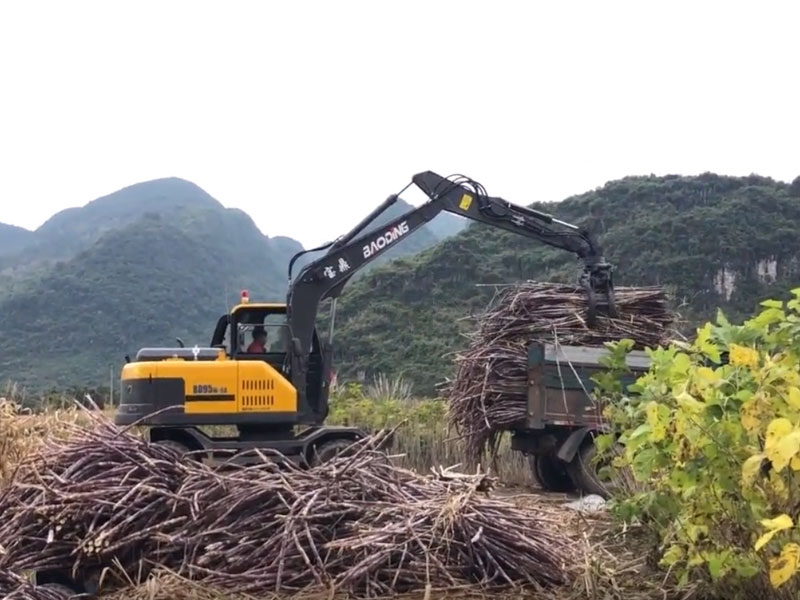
(564, 415)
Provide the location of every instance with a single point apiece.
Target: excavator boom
(326, 276)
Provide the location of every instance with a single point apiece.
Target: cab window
(268, 337)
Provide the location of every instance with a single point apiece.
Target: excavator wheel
(176, 447)
(181, 449)
(327, 450)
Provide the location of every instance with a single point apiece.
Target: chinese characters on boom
(343, 267)
(376, 245)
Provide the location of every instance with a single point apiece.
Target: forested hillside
(138, 267)
(712, 241)
(13, 238)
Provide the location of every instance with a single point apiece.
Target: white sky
(308, 114)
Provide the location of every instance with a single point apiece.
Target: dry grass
(22, 432)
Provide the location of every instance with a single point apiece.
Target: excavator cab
(257, 332)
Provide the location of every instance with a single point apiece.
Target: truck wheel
(550, 473)
(327, 450)
(63, 591)
(585, 472)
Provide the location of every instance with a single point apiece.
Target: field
(608, 561)
(708, 508)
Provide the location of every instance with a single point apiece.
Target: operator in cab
(259, 343)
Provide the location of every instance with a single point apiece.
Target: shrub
(711, 436)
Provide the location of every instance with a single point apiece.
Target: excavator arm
(326, 276)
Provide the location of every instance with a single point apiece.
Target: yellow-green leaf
(751, 468)
(672, 556)
(681, 364)
(773, 526)
(771, 303)
(656, 418)
(704, 343)
(782, 521)
(689, 403)
(778, 486)
(694, 531)
(784, 450)
(783, 567)
(742, 356)
(777, 429)
(695, 560)
(793, 398)
(709, 375)
(749, 419)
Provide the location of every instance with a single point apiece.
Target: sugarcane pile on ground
(16, 587)
(488, 393)
(357, 524)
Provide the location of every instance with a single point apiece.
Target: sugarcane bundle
(488, 392)
(358, 523)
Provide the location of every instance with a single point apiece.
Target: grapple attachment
(596, 279)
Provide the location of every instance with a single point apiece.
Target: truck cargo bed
(560, 386)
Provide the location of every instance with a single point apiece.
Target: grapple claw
(596, 280)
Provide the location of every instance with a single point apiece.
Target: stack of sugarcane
(358, 523)
(488, 392)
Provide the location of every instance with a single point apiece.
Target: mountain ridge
(162, 247)
(711, 240)
(13, 238)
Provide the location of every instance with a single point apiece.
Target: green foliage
(356, 405)
(711, 434)
(383, 388)
(794, 188)
(408, 316)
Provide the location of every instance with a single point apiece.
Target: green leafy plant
(383, 388)
(711, 436)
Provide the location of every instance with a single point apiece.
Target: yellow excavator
(267, 368)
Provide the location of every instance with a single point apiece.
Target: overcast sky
(308, 114)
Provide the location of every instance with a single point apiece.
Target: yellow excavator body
(220, 386)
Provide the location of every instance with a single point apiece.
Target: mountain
(162, 259)
(13, 238)
(74, 229)
(712, 241)
(141, 266)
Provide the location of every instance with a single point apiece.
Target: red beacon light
(245, 297)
